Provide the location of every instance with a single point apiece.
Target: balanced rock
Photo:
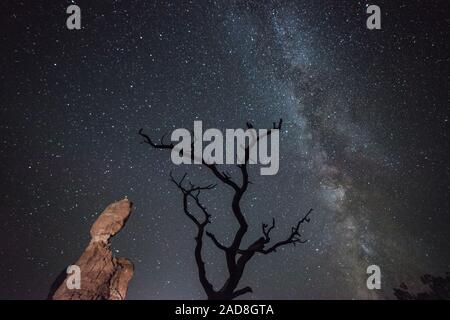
(102, 276)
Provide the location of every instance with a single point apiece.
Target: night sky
(364, 139)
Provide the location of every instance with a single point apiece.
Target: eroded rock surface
(103, 276)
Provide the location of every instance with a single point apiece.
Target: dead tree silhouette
(236, 257)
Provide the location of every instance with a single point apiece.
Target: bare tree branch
(216, 242)
(194, 192)
(242, 291)
(149, 141)
(236, 258)
(293, 238)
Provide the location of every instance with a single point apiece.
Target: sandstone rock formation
(103, 276)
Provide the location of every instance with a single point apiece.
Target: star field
(364, 141)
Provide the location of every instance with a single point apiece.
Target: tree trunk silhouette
(236, 257)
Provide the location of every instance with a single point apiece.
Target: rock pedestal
(103, 276)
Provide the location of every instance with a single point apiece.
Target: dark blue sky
(364, 141)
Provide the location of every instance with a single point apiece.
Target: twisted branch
(236, 258)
